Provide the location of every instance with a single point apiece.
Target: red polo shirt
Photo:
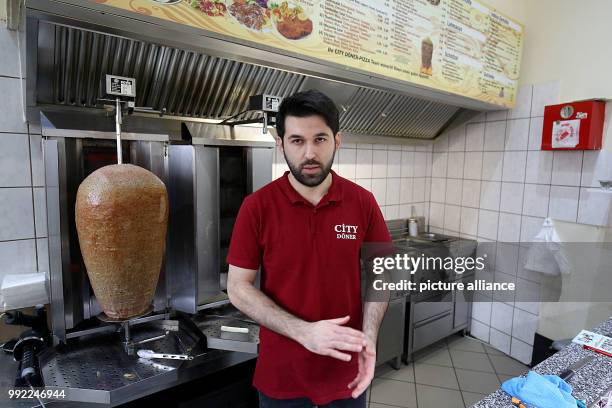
(310, 267)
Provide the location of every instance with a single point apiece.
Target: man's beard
(310, 180)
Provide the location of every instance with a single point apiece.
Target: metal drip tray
(210, 324)
(96, 369)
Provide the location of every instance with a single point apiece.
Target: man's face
(309, 147)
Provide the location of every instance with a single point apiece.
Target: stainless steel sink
(425, 237)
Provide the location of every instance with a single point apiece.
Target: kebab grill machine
(139, 226)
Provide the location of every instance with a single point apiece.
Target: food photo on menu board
(462, 47)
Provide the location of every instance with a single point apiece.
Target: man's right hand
(331, 338)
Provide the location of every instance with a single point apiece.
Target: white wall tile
(509, 227)
(393, 191)
(455, 164)
(438, 190)
(564, 203)
(379, 163)
(507, 258)
(596, 165)
(40, 212)
(497, 115)
(474, 139)
(406, 185)
(500, 341)
(379, 189)
(394, 147)
(517, 134)
(527, 292)
(424, 146)
(452, 217)
(365, 183)
(456, 140)
(521, 351)
(567, 168)
(530, 226)
(495, 135)
(539, 167)
(514, 166)
(487, 224)
(501, 317)
(379, 146)
(38, 171)
(492, 166)
(471, 193)
(522, 108)
(428, 164)
(535, 133)
(42, 250)
(420, 164)
(594, 207)
(504, 296)
(16, 213)
(479, 330)
(11, 119)
(535, 200)
(17, 257)
(427, 189)
(8, 47)
(407, 164)
(490, 195)
(405, 210)
(395, 164)
(408, 148)
(472, 169)
(346, 162)
(481, 311)
(14, 159)
(440, 144)
(453, 192)
(469, 221)
(546, 93)
(439, 165)
(392, 212)
(418, 192)
(436, 215)
(363, 163)
(511, 198)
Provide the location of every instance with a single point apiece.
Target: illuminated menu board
(462, 47)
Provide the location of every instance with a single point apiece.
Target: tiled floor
(454, 373)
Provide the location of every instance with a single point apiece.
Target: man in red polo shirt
(305, 231)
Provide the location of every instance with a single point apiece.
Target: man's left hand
(367, 364)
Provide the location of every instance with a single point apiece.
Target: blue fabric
(548, 391)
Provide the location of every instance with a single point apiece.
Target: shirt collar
(335, 192)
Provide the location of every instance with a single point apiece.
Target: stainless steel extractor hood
(68, 57)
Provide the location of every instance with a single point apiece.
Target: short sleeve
(377, 230)
(245, 250)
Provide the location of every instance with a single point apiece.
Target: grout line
(18, 239)
(33, 203)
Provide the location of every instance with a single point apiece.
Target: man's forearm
(373, 313)
(259, 307)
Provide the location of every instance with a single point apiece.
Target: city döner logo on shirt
(344, 231)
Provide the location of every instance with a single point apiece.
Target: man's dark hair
(308, 103)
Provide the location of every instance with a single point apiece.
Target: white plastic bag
(546, 252)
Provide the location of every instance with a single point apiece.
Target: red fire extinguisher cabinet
(573, 126)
